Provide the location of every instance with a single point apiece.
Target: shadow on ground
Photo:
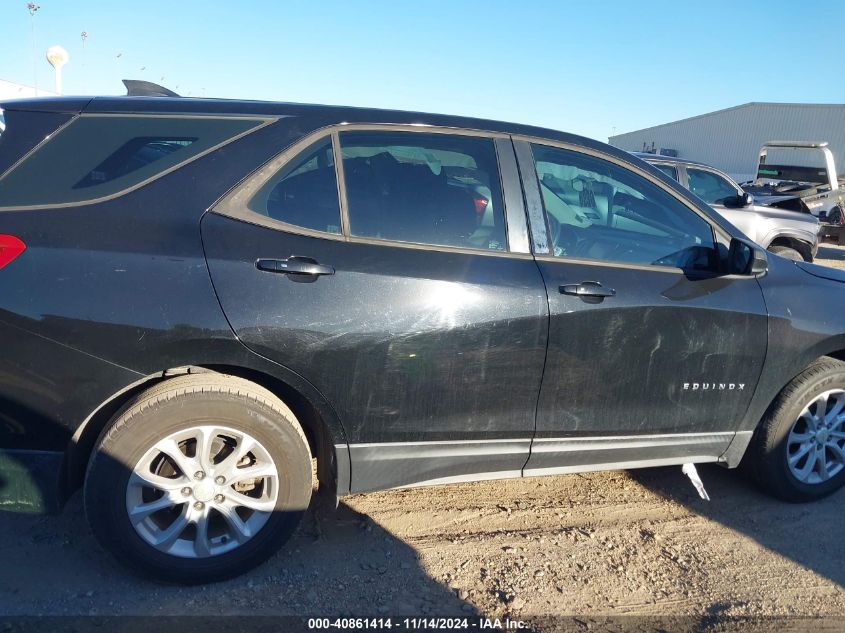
(338, 564)
(785, 528)
(832, 253)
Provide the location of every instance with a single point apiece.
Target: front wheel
(798, 451)
(198, 479)
(787, 252)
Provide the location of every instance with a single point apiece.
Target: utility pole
(33, 9)
(83, 36)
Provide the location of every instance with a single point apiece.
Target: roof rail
(140, 88)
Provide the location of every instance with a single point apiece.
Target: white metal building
(730, 139)
(10, 90)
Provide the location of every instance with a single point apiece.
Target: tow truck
(797, 187)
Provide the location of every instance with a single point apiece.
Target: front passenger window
(598, 210)
(710, 187)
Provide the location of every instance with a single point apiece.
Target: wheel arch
(831, 348)
(325, 434)
(797, 243)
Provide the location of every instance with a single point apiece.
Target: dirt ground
(586, 546)
(617, 543)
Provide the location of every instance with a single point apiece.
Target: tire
(220, 532)
(789, 418)
(787, 253)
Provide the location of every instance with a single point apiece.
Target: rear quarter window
(101, 156)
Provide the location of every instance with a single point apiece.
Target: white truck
(796, 186)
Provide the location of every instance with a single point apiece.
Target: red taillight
(480, 205)
(10, 247)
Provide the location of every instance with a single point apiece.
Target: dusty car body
(199, 297)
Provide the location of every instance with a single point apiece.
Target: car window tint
(669, 170)
(133, 155)
(710, 187)
(96, 156)
(303, 192)
(437, 189)
(601, 211)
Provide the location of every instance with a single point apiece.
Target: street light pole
(33, 9)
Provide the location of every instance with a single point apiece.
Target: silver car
(786, 233)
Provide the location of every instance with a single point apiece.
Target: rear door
(390, 267)
(653, 355)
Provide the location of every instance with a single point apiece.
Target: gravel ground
(594, 545)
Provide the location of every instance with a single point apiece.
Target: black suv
(200, 297)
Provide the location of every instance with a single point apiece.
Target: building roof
(12, 90)
(743, 106)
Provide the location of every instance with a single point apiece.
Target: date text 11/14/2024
(417, 623)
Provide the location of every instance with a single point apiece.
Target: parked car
(790, 234)
(201, 296)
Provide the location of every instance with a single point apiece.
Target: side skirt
(553, 456)
(381, 466)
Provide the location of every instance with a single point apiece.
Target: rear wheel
(798, 452)
(198, 479)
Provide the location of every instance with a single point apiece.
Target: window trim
(524, 141)
(231, 204)
(263, 121)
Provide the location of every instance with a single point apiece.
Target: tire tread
(762, 452)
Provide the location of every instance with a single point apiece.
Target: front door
(653, 356)
(405, 300)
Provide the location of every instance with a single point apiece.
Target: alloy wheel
(202, 491)
(815, 447)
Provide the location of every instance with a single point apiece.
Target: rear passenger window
(303, 192)
(97, 156)
(439, 189)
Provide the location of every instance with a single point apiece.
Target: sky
(594, 68)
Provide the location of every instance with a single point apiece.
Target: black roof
(329, 113)
(237, 107)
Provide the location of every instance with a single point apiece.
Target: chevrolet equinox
(200, 298)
